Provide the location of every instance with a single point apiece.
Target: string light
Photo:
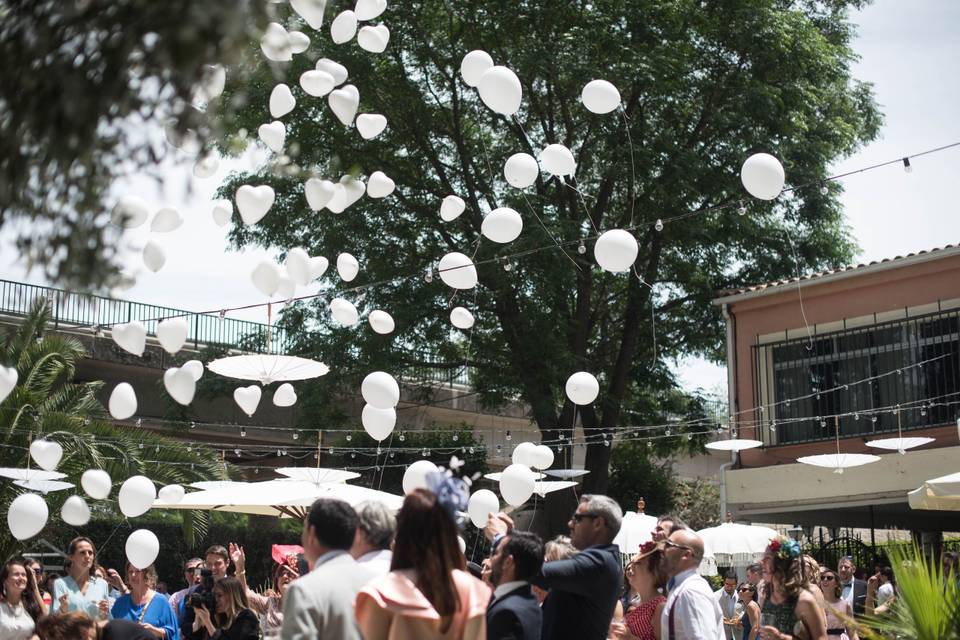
(428, 276)
(581, 248)
(906, 165)
(658, 225)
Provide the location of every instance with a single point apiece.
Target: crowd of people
(365, 573)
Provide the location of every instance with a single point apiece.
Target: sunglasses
(826, 578)
(743, 589)
(578, 517)
(668, 543)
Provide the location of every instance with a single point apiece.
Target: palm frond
(28, 332)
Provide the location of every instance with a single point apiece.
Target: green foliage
(78, 83)
(703, 85)
(633, 475)
(47, 402)
(697, 503)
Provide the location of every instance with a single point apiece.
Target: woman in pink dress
(647, 579)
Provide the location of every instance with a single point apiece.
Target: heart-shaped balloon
(153, 256)
(380, 185)
(273, 135)
(335, 69)
(130, 212)
(166, 220)
(195, 367)
(311, 11)
(338, 202)
(97, 483)
(344, 102)
(285, 396)
(318, 266)
(46, 454)
(370, 125)
(374, 39)
(282, 101)
(131, 336)
(123, 401)
(266, 277)
(347, 267)
(354, 189)
(206, 166)
(343, 27)
(299, 42)
(275, 43)
(343, 312)
(286, 287)
(254, 202)
(247, 398)
(222, 212)
(381, 322)
(180, 384)
(316, 83)
(369, 9)
(8, 381)
(298, 266)
(172, 333)
(319, 192)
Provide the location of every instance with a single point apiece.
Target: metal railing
(71, 309)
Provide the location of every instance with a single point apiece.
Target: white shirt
(696, 612)
(506, 588)
(884, 593)
(15, 622)
(377, 561)
(847, 593)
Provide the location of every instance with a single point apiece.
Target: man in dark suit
(514, 613)
(854, 590)
(584, 589)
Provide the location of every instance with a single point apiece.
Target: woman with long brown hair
(234, 619)
(790, 609)
(80, 590)
(22, 604)
(646, 578)
(428, 594)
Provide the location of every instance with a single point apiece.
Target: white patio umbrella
(839, 461)
(266, 368)
(635, 529)
(318, 474)
(43, 486)
(938, 494)
(737, 545)
(733, 444)
(16, 473)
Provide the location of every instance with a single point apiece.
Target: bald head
(683, 550)
(690, 539)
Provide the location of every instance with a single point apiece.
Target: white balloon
(541, 457)
(319, 192)
(285, 395)
(381, 322)
(335, 69)
(8, 381)
(582, 388)
(97, 483)
(274, 135)
(502, 225)
(353, 188)
(369, 9)
(523, 454)
(516, 484)
(142, 548)
(374, 39)
(172, 333)
(316, 83)
(338, 201)
(27, 516)
(266, 277)
(370, 125)
(347, 267)
(137, 495)
(75, 511)
(282, 101)
(457, 271)
(311, 11)
(171, 494)
(275, 43)
(286, 287)
(378, 423)
(46, 453)
(500, 90)
(415, 477)
(558, 160)
(461, 318)
(298, 266)
(318, 266)
(473, 66)
(211, 85)
(380, 185)
(206, 166)
(254, 202)
(599, 96)
(762, 176)
(381, 390)
(616, 250)
(130, 212)
(482, 503)
(153, 256)
(451, 208)
(166, 220)
(247, 398)
(344, 102)
(195, 367)
(180, 384)
(222, 212)
(123, 401)
(131, 337)
(343, 27)
(521, 170)
(344, 312)
(299, 42)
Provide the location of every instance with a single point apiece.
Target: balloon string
(586, 209)
(803, 312)
(483, 145)
(633, 171)
(547, 231)
(653, 315)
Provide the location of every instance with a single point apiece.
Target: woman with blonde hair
(234, 619)
(146, 607)
(790, 610)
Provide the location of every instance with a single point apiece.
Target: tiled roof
(814, 276)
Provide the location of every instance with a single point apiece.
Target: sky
(909, 51)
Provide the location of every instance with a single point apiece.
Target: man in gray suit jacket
(320, 604)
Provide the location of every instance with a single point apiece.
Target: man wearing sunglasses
(691, 612)
(191, 574)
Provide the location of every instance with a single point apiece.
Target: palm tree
(47, 402)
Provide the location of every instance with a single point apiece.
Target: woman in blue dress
(146, 607)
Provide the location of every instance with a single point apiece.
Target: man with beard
(514, 612)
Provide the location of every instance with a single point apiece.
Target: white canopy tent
(938, 494)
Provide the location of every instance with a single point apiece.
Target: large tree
(703, 86)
